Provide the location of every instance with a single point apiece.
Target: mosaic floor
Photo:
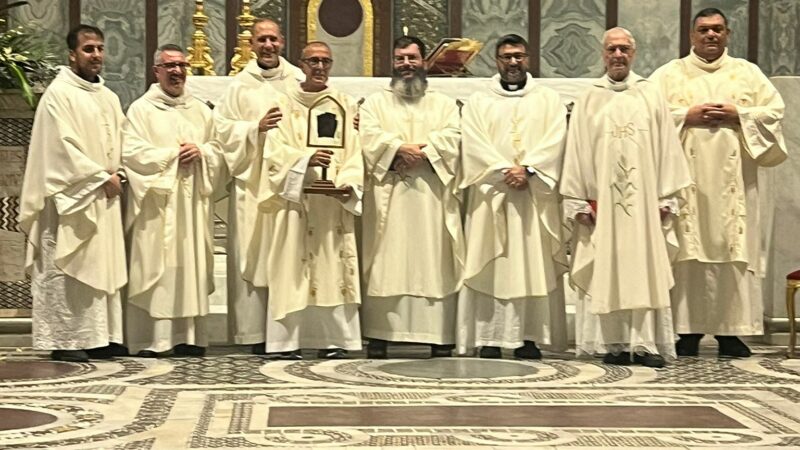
(231, 400)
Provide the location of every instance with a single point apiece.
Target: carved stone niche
(16, 121)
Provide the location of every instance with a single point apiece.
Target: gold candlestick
(199, 52)
(242, 53)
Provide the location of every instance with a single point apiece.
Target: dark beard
(413, 87)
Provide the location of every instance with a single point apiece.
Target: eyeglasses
(314, 61)
(174, 65)
(508, 57)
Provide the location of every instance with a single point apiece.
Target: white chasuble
(413, 242)
(312, 255)
(719, 223)
(623, 153)
(251, 94)
(313, 264)
(169, 218)
(76, 250)
(515, 253)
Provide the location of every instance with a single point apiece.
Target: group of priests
(447, 227)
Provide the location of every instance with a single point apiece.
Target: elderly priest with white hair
(623, 170)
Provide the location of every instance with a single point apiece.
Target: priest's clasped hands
(408, 156)
(516, 177)
(188, 154)
(712, 115)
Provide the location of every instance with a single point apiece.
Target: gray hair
(624, 31)
(165, 48)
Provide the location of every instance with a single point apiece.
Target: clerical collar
(618, 86)
(162, 100)
(74, 79)
(513, 87)
(308, 98)
(704, 64)
(272, 73)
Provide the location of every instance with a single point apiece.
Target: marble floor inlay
(230, 400)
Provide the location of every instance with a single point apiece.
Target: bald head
(315, 45)
(316, 64)
(267, 43)
(264, 22)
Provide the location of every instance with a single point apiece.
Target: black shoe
(528, 351)
(118, 349)
(441, 350)
(650, 360)
(620, 359)
(259, 349)
(490, 352)
(332, 353)
(100, 352)
(688, 344)
(69, 355)
(376, 349)
(293, 355)
(147, 354)
(189, 350)
(732, 346)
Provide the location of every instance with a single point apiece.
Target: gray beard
(411, 88)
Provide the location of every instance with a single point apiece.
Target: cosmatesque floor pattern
(231, 400)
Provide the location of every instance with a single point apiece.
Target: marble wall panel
(175, 27)
(570, 38)
(779, 37)
(780, 205)
(655, 25)
(122, 22)
(425, 19)
(736, 12)
(273, 9)
(485, 21)
(215, 30)
(49, 17)
(175, 22)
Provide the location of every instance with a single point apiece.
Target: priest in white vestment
(728, 117)
(513, 144)
(413, 243)
(622, 170)
(70, 209)
(252, 105)
(313, 263)
(171, 169)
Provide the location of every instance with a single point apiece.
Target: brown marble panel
(15, 419)
(560, 416)
(35, 370)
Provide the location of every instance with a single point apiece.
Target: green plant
(25, 62)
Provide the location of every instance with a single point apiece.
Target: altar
(211, 89)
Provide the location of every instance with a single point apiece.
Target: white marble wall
(570, 38)
(485, 21)
(781, 212)
(48, 18)
(655, 25)
(779, 37)
(122, 22)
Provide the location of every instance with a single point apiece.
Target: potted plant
(26, 64)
